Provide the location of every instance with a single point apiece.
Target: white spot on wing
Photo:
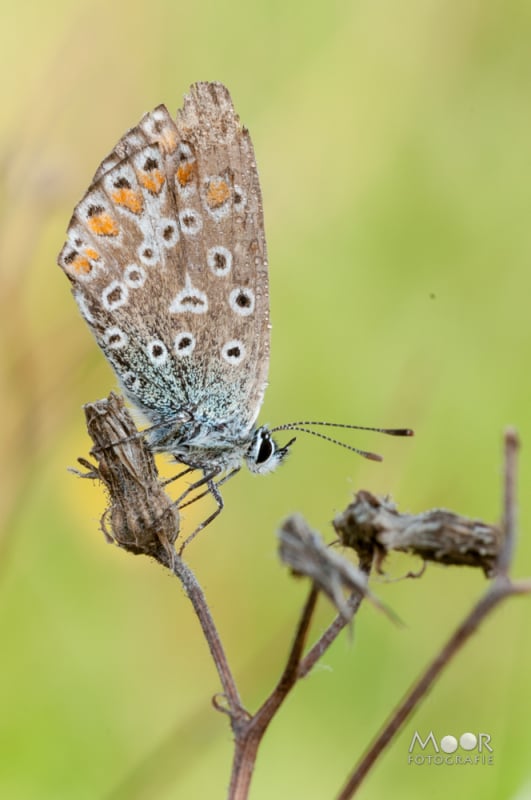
(184, 344)
(134, 276)
(157, 352)
(167, 232)
(114, 295)
(147, 252)
(190, 300)
(219, 259)
(114, 338)
(241, 300)
(190, 221)
(233, 352)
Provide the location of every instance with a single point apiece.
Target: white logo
(430, 751)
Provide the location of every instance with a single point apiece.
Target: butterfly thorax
(216, 447)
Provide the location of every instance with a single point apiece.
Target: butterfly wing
(225, 189)
(167, 258)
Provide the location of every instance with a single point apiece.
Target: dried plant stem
(499, 590)
(509, 502)
(249, 735)
(330, 635)
(198, 600)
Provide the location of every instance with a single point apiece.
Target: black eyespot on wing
(94, 211)
(115, 295)
(243, 300)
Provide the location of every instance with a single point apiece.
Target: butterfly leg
(212, 488)
(176, 477)
(206, 479)
(207, 491)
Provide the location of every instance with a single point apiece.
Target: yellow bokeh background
(393, 144)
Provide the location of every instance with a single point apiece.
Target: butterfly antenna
(290, 426)
(297, 426)
(364, 453)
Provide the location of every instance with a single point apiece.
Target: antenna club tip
(373, 456)
(400, 432)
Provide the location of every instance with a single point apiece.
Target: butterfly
(167, 258)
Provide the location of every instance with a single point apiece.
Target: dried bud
(372, 527)
(141, 516)
(306, 554)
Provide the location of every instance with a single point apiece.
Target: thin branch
(499, 590)
(198, 600)
(510, 504)
(290, 674)
(330, 634)
(306, 554)
(252, 732)
(330, 573)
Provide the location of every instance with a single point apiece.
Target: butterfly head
(264, 455)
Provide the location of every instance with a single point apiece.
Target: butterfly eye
(265, 450)
(264, 455)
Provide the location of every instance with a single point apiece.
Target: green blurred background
(394, 148)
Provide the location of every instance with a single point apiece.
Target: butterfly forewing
(166, 253)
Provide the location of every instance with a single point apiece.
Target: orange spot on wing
(185, 173)
(130, 199)
(92, 254)
(103, 225)
(218, 193)
(81, 265)
(153, 181)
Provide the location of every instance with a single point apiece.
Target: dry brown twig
(498, 590)
(373, 527)
(143, 520)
